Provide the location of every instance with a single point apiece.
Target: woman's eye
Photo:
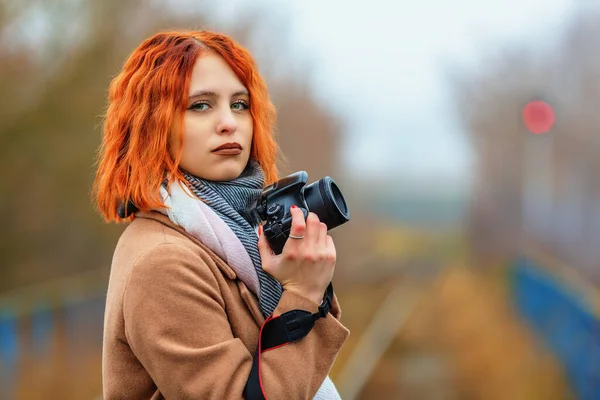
(199, 106)
(240, 105)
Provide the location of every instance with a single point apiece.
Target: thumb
(263, 246)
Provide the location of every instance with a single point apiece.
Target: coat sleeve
(176, 325)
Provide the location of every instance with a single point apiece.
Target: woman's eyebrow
(210, 93)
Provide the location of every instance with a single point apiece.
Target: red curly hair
(147, 97)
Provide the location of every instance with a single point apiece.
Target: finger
(298, 227)
(313, 226)
(330, 245)
(322, 240)
(263, 246)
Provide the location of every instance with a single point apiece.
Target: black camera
(322, 197)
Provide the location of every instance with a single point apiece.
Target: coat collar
(250, 300)
(164, 220)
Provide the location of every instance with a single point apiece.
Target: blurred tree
(489, 102)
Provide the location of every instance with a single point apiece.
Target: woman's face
(217, 125)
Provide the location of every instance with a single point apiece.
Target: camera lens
(325, 199)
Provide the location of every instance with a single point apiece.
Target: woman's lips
(228, 149)
(228, 152)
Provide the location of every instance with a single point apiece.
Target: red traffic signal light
(538, 116)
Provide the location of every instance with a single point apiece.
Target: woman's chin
(224, 173)
(225, 169)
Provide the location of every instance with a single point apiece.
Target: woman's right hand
(305, 266)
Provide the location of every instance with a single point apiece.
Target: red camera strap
(279, 331)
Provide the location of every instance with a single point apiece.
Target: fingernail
(259, 229)
(294, 207)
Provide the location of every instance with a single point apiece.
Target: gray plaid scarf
(231, 200)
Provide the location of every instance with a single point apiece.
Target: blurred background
(464, 135)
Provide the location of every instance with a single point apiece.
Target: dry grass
(463, 341)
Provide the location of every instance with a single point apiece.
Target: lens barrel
(324, 198)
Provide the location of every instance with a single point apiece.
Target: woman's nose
(227, 123)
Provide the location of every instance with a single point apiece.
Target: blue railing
(54, 328)
(564, 319)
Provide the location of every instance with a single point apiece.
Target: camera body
(322, 197)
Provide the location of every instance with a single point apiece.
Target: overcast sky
(380, 64)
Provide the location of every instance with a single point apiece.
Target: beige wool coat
(179, 325)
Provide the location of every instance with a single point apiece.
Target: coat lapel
(248, 297)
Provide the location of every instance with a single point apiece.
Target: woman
(187, 147)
